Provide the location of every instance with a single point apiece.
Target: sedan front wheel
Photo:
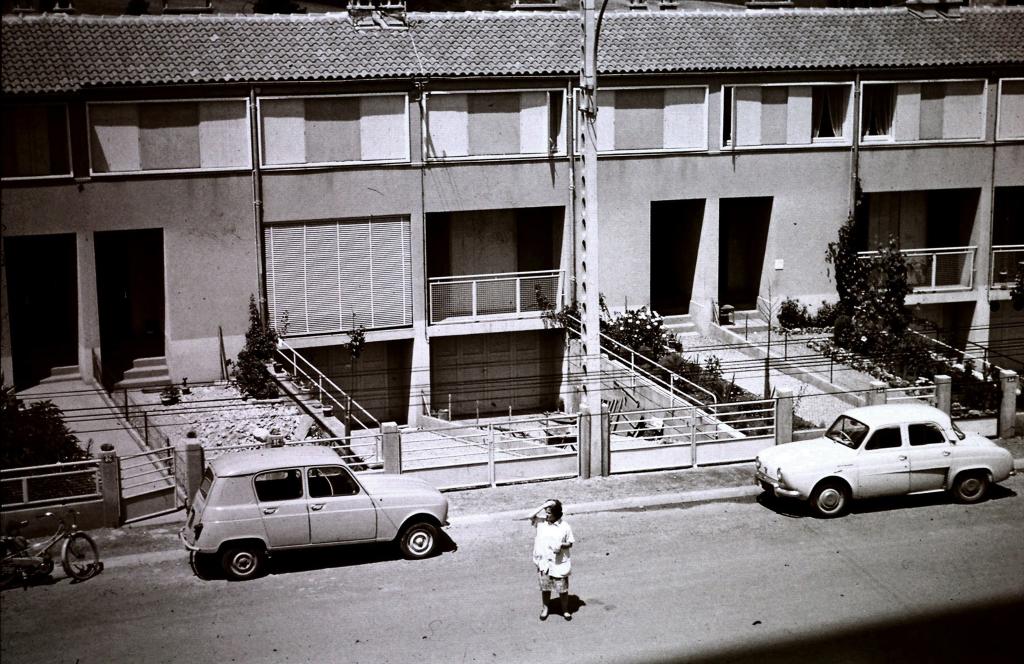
(830, 499)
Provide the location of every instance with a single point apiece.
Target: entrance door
(675, 238)
(130, 290)
(42, 289)
(743, 233)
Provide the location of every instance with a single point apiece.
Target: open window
(879, 105)
(828, 112)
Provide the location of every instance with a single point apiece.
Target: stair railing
(326, 388)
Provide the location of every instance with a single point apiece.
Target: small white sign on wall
(780, 263)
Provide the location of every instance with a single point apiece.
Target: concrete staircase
(680, 326)
(61, 374)
(747, 321)
(145, 372)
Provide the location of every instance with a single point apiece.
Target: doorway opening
(675, 239)
(130, 292)
(42, 291)
(742, 239)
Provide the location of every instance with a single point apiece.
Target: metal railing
(53, 483)
(327, 390)
(911, 393)
(944, 268)
(1006, 260)
(360, 453)
(626, 355)
(147, 471)
(473, 296)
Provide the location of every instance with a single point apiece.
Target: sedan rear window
(278, 485)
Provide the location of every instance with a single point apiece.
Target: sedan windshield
(847, 431)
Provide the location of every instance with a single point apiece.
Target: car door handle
(317, 507)
(269, 510)
(902, 458)
(946, 453)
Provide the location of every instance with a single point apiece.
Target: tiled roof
(58, 53)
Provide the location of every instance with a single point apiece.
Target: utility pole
(587, 261)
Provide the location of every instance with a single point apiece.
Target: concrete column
(583, 441)
(391, 442)
(88, 303)
(110, 482)
(877, 396)
(419, 377)
(705, 277)
(601, 459)
(195, 461)
(944, 393)
(784, 416)
(1008, 404)
(6, 356)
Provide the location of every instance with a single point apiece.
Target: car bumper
(770, 484)
(184, 540)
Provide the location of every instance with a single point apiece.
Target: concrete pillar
(583, 442)
(391, 442)
(944, 393)
(110, 483)
(784, 406)
(601, 456)
(1008, 404)
(705, 278)
(195, 462)
(877, 396)
(419, 375)
(88, 303)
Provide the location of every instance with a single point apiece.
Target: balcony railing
(945, 268)
(1006, 260)
(465, 298)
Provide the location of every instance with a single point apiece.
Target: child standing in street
(551, 548)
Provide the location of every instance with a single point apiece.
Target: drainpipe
(855, 153)
(570, 140)
(257, 204)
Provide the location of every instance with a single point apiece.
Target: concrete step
(138, 383)
(681, 324)
(145, 372)
(141, 362)
(60, 374)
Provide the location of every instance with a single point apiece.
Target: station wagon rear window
(204, 486)
(278, 485)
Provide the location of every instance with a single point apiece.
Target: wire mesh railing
(945, 268)
(50, 484)
(1007, 260)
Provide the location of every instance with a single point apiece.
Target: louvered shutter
(336, 276)
(286, 277)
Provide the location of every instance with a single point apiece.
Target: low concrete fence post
(784, 417)
(605, 461)
(877, 395)
(1008, 404)
(195, 461)
(583, 441)
(391, 441)
(944, 393)
(110, 486)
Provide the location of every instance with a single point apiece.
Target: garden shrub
(640, 329)
(251, 373)
(35, 435)
(793, 314)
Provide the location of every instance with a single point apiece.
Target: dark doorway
(1008, 221)
(675, 239)
(743, 233)
(951, 214)
(130, 290)
(42, 288)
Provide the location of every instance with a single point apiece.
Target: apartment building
(417, 175)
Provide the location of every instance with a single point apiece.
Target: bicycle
(79, 555)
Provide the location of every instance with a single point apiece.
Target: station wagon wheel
(970, 487)
(242, 562)
(419, 540)
(830, 499)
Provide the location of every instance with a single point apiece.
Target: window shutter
(339, 275)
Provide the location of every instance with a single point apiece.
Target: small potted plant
(327, 408)
(185, 389)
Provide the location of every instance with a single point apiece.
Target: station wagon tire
(830, 499)
(418, 540)
(970, 487)
(242, 562)
(79, 557)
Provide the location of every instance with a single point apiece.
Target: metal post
(490, 457)
(145, 427)
(935, 263)
(693, 436)
(519, 302)
(126, 403)
(830, 359)
(473, 291)
(785, 346)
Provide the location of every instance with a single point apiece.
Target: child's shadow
(575, 604)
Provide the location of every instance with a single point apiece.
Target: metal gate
(151, 484)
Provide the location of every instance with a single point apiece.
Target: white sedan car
(888, 450)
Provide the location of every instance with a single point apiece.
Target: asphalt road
(912, 580)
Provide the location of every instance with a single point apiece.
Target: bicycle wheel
(80, 557)
(7, 572)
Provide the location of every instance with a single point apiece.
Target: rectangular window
(911, 111)
(333, 130)
(879, 104)
(776, 115)
(1011, 109)
(35, 141)
(650, 119)
(168, 136)
(484, 124)
(333, 276)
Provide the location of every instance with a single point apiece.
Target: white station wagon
(251, 504)
(887, 450)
